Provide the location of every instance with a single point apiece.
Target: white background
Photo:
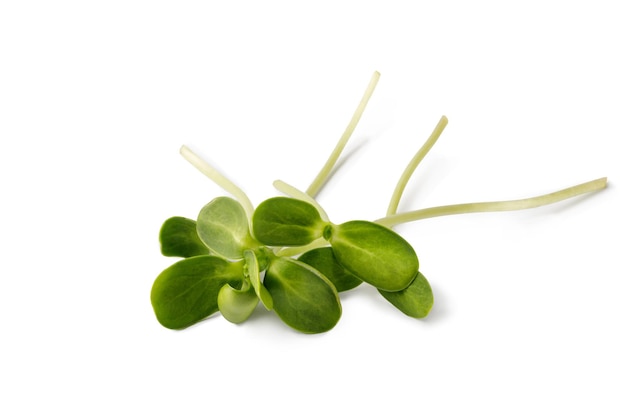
(97, 97)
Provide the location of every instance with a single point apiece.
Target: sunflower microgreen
(416, 300)
(223, 227)
(285, 221)
(179, 237)
(237, 304)
(186, 292)
(288, 255)
(323, 259)
(303, 297)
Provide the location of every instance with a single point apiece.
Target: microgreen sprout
(288, 256)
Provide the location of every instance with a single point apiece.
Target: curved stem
(509, 205)
(296, 250)
(321, 178)
(408, 171)
(218, 178)
(292, 191)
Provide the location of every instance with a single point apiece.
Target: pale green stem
(408, 171)
(296, 250)
(292, 191)
(509, 205)
(219, 179)
(321, 178)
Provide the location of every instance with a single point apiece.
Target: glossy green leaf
(236, 305)
(284, 221)
(416, 300)
(375, 254)
(178, 237)
(303, 298)
(223, 227)
(323, 259)
(186, 292)
(252, 271)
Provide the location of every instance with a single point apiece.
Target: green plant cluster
(287, 255)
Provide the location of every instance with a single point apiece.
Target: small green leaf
(303, 298)
(186, 292)
(236, 305)
(323, 259)
(253, 273)
(375, 254)
(416, 300)
(284, 221)
(178, 237)
(223, 227)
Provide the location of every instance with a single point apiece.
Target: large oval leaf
(178, 237)
(284, 221)
(323, 259)
(186, 292)
(375, 254)
(223, 227)
(416, 300)
(236, 305)
(303, 298)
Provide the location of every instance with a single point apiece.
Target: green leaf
(303, 298)
(416, 300)
(236, 305)
(323, 259)
(375, 254)
(253, 272)
(223, 227)
(178, 237)
(284, 221)
(186, 292)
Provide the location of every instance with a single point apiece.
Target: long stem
(321, 178)
(408, 171)
(509, 205)
(218, 178)
(292, 191)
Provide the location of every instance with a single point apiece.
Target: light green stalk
(509, 205)
(408, 171)
(321, 178)
(228, 186)
(296, 250)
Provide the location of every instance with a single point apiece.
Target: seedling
(288, 255)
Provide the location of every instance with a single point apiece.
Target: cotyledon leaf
(223, 227)
(323, 259)
(284, 221)
(303, 298)
(416, 300)
(374, 253)
(186, 292)
(236, 305)
(178, 237)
